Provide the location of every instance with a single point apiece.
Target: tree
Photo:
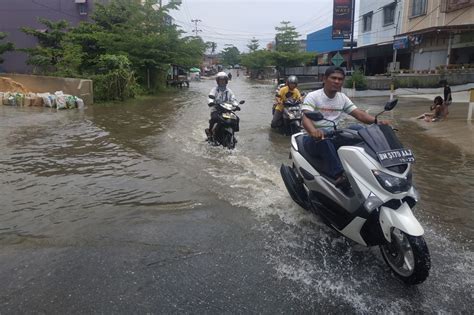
(286, 38)
(5, 46)
(211, 46)
(138, 32)
(230, 55)
(134, 35)
(253, 45)
(49, 51)
(257, 61)
(284, 59)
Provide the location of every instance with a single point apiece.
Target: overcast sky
(235, 22)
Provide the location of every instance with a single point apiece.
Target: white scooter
(375, 207)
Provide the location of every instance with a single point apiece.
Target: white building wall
(378, 33)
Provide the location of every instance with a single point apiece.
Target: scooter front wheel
(407, 256)
(229, 141)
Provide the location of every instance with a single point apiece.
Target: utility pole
(195, 31)
(352, 36)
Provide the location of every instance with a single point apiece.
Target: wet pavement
(124, 208)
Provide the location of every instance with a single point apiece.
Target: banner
(400, 43)
(342, 19)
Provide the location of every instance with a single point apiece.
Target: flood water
(125, 208)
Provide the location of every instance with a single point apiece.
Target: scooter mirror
(212, 97)
(241, 102)
(315, 116)
(390, 105)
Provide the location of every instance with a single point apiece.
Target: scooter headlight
(393, 184)
(291, 115)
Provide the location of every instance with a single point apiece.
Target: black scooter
(223, 132)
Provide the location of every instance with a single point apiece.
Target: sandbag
(37, 101)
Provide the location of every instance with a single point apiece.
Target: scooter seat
(315, 162)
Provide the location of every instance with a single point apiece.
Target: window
(367, 26)
(389, 14)
(82, 9)
(418, 7)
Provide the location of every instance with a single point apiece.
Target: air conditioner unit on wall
(80, 1)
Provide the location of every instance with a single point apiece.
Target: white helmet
(222, 75)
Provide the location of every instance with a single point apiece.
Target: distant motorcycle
(291, 117)
(374, 206)
(226, 127)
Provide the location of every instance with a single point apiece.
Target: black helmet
(222, 75)
(292, 79)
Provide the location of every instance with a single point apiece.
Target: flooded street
(124, 208)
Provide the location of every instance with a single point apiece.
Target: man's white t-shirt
(331, 108)
(221, 96)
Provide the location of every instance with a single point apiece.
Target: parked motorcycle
(375, 207)
(226, 127)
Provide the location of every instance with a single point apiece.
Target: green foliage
(253, 45)
(124, 29)
(49, 51)
(70, 63)
(359, 79)
(230, 55)
(284, 59)
(286, 38)
(258, 59)
(5, 46)
(116, 80)
(211, 46)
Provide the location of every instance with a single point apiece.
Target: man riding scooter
(286, 92)
(330, 102)
(221, 94)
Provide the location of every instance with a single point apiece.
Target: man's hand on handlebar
(383, 122)
(317, 134)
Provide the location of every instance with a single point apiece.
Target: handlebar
(332, 133)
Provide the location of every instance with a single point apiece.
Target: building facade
(15, 14)
(321, 41)
(379, 21)
(438, 33)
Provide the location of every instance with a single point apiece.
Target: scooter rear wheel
(407, 256)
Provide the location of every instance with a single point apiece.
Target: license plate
(395, 157)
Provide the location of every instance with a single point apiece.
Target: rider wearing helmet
(286, 92)
(222, 94)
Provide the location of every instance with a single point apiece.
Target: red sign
(342, 19)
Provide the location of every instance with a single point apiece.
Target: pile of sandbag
(57, 100)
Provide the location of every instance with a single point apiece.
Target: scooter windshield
(380, 138)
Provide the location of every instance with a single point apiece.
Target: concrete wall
(41, 84)
(418, 80)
